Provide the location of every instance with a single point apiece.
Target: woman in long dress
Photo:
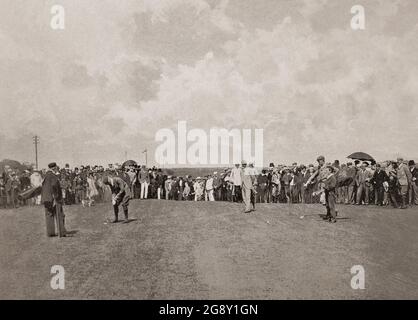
(92, 191)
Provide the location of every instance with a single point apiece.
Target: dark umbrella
(128, 163)
(361, 156)
(13, 164)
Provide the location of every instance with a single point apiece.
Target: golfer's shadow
(322, 216)
(71, 233)
(130, 220)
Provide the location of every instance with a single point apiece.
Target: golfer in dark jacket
(120, 195)
(51, 198)
(330, 183)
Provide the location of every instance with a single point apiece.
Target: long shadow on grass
(129, 220)
(322, 216)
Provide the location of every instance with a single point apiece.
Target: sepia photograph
(200, 150)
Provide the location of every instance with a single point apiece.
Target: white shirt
(209, 184)
(236, 176)
(36, 179)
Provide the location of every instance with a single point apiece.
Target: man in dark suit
(330, 183)
(377, 180)
(413, 190)
(51, 198)
(262, 189)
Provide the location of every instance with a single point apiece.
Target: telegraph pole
(35, 142)
(146, 157)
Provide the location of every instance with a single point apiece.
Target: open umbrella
(13, 164)
(128, 163)
(361, 156)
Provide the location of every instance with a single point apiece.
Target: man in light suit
(236, 182)
(362, 179)
(404, 178)
(249, 183)
(144, 180)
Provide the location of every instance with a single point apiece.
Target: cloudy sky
(121, 70)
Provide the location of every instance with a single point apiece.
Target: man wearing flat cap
(51, 198)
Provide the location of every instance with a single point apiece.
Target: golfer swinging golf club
(120, 195)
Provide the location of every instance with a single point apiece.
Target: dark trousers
(380, 193)
(403, 190)
(307, 194)
(12, 198)
(124, 202)
(237, 194)
(262, 193)
(54, 215)
(330, 203)
(253, 199)
(3, 198)
(394, 197)
(413, 194)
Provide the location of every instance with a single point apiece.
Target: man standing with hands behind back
(51, 198)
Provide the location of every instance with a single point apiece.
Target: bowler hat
(52, 165)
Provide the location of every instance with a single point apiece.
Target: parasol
(129, 163)
(361, 156)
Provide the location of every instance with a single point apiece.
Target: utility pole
(146, 157)
(35, 142)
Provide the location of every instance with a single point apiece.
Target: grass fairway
(189, 250)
